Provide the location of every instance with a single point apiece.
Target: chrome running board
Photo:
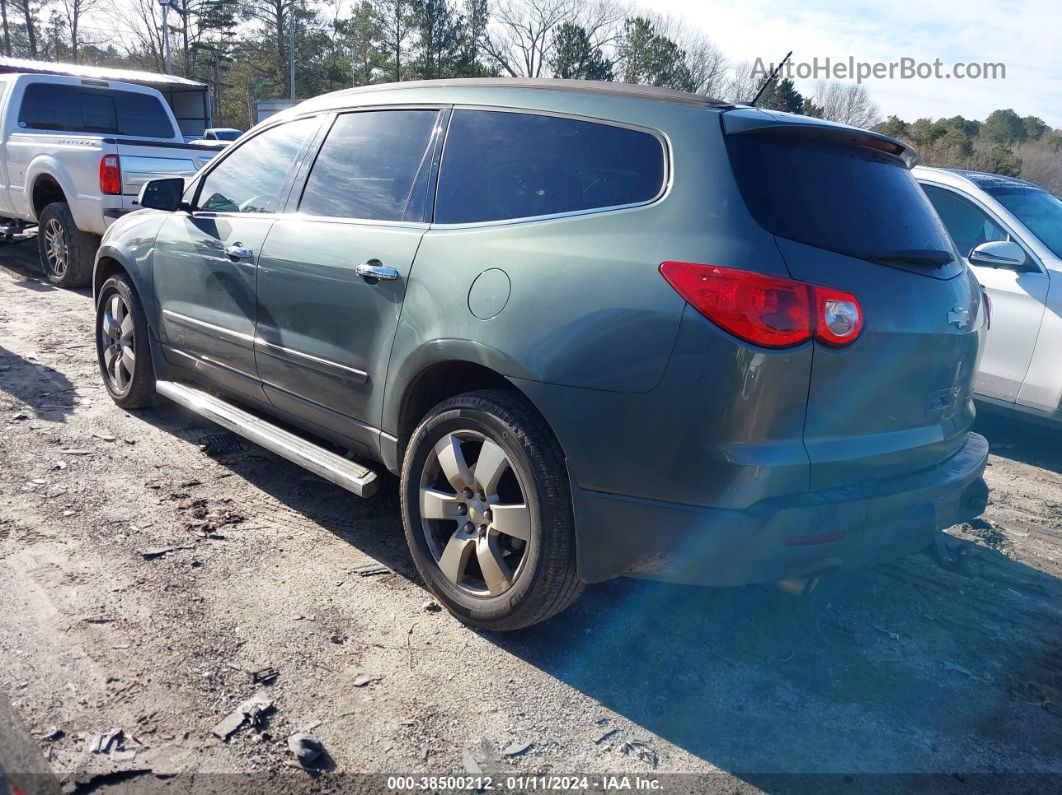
(334, 468)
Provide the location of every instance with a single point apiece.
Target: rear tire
(67, 253)
(122, 347)
(494, 540)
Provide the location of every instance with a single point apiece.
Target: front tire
(66, 252)
(122, 347)
(487, 511)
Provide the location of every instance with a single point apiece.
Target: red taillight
(110, 175)
(766, 310)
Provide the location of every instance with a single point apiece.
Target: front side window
(368, 166)
(968, 225)
(500, 165)
(1037, 209)
(250, 178)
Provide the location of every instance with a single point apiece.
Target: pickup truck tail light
(767, 310)
(110, 175)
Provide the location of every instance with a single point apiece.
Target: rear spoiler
(756, 121)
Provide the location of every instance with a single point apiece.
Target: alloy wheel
(474, 513)
(55, 248)
(116, 338)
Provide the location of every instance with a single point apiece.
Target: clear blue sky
(1023, 34)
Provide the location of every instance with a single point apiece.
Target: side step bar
(343, 472)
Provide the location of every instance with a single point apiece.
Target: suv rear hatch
(846, 213)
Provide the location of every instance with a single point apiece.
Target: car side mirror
(162, 194)
(998, 254)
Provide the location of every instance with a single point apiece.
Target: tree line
(242, 49)
(1004, 143)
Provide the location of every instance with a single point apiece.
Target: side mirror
(162, 194)
(998, 254)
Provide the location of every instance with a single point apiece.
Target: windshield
(1038, 210)
(226, 135)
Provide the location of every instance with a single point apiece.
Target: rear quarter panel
(587, 306)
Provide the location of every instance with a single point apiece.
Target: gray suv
(596, 329)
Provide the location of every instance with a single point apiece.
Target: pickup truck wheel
(487, 511)
(122, 344)
(66, 252)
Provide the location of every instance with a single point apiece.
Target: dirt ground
(902, 668)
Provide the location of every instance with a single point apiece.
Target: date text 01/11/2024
(485, 783)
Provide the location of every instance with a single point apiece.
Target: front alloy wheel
(116, 343)
(122, 344)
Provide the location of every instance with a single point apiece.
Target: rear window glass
(500, 165)
(842, 198)
(46, 106)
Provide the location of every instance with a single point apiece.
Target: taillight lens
(766, 310)
(110, 175)
(839, 318)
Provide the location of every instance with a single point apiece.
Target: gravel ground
(901, 668)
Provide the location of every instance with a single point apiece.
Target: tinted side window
(500, 165)
(75, 109)
(968, 226)
(55, 107)
(368, 166)
(249, 179)
(142, 114)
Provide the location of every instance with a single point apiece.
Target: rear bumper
(781, 538)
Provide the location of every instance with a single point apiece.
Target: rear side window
(368, 167)
(46, 106)
(500, 165)
(842, 198)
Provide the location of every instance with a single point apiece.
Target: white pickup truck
(73, 155)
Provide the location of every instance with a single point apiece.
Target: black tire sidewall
(79, 247)
(142, 383)
(480, 610)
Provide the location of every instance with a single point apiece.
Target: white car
(74, 153)
(1010, 233)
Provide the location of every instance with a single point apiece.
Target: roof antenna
(767, 82)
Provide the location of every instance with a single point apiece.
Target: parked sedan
(1010, 233)
(595, 329)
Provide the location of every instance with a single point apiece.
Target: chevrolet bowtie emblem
(959, 317)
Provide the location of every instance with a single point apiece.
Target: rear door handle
(239, 251)
(374, 269)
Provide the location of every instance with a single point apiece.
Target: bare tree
(29, 14)
(523, 34)
(144, 22)
(705, 62)
(7, 31)
(847, 103)
(743, 83)
(74, 11)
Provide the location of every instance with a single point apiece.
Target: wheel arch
(111, 260)
(46, 190)
(435, 372)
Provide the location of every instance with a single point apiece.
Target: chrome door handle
(374, 269)
(239, 251)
